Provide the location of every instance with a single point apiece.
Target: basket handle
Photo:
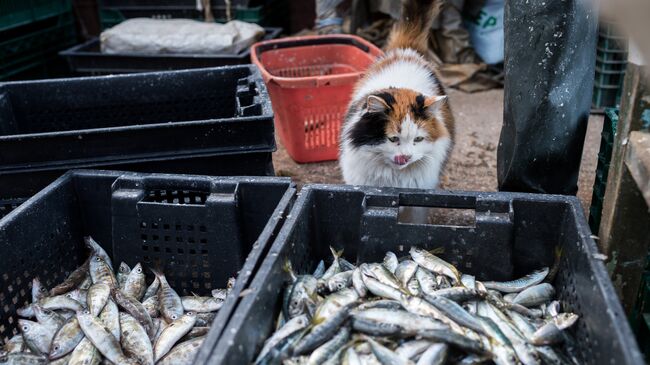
(174, 189)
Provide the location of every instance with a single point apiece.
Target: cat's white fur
(372, 165)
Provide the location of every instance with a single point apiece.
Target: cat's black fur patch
(418, 109)
(387, 97)
(369, 130)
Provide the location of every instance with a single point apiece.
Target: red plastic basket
(310, 81)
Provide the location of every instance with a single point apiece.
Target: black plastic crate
(23, 183)
(201, 230)
(87, 58)
(214, 121)
(511, 234)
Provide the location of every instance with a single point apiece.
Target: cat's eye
(393, 139)
(418, 139)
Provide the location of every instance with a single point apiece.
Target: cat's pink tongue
(401, 159)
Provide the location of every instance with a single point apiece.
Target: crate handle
(168, 189)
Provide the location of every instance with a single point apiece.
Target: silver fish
(122, 273)
(103, 340)
(85, 354)
(171, 306)
(535, 295)
(329, 348)
(101, 272)
(97, 297)
(152, 289)
(110, 317)
(134, 340)
(174, 332)
(183, 353)
(455, 312)
(339, 281)
(66, 339)
(38, 290)
(436, 354)
(405, 271)
(98, 250)
(520, 284)
(73, 280)
(335, 268)
(135, 284)
(357, 283)
(391, 262)
(292, 326)
(385, 355)
(135, 309)
(434, 264)
(37, 337)
(413, 349)
(201, 304)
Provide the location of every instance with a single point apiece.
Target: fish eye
(56, 348)
(294, 302)
(190, 313)
(418, 139)
(25, 328)
(86, 311)
(173, 316)
(139, 270)
(393, 139)
(98, 259)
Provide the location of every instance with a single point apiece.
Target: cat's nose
(401, 159)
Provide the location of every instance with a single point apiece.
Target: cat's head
(402, 127)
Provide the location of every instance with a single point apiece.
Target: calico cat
(398, 131)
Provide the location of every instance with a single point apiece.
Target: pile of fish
(417, 310)
(97, 314)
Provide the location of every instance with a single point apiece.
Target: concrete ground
(473, 162)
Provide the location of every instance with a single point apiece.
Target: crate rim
(267, 110)
(311, 41)
(85, 165)
(624, 332)
(117, 174)
(78, 50)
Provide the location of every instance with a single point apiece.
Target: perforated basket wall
(510, 235)
(199, 230)
(310, 81)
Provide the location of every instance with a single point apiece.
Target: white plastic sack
(159, 36)
(486, 31)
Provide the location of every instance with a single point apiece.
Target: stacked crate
(611, 61)
(31, 34)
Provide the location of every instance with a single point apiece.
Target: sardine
(73, 280)
(390, 262)
(103, 340)
(122, 273)
(434, 264)
(436, 354)
(110, 317)
(198, 304)
(85, 354)
(38, 290)
(134, 340)
(520, 284)
(174, 332)
(182, 354)
(135, 284)
(97, 297)
(37, 337)
(135, 309)
(329, 348)
(66, 339)
(535, 295)
(171, 306)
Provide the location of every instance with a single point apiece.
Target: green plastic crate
(611, 62)
(36, 47)
(14, 13)
(604, 157)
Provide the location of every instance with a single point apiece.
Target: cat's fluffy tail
(413, 28)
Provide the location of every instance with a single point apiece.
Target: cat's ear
(375, 104)
(433, 105)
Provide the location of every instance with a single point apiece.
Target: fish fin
(156, 271)
(437, 251)
(335, 253)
